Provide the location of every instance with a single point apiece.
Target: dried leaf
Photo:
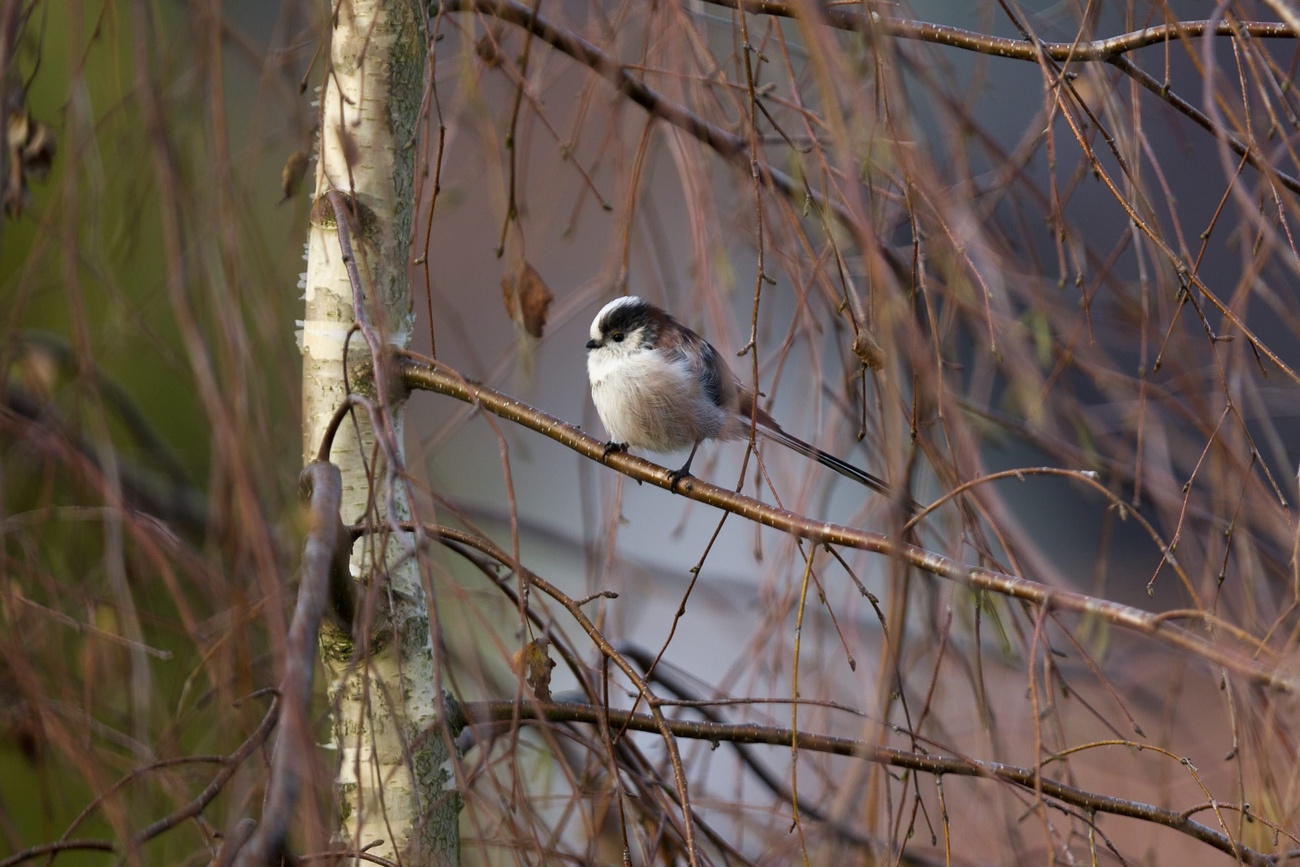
(31, 153)
(527, 299)
(868, 350)
(291, 176)
(536, 665)
(487, 48)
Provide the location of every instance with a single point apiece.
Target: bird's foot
(677, 475)
(610, 448)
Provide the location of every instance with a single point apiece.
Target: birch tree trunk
(391, 779)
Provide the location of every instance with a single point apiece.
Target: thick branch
(748, 733)
(324, 552)
(418, 374)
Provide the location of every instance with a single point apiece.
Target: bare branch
(325, 553)
(1271, 671)
(1030, 779)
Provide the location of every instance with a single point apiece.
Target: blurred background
(981, 263)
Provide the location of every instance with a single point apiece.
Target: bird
(660, 387)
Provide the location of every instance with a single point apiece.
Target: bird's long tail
(829, 461)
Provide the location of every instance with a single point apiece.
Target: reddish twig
(419, 374)
(1029, 779)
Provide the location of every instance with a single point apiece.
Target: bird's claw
(610, 448)
(675, 478)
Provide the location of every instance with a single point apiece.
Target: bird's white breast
(650, 400)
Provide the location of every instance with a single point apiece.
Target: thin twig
(1029, 779)
(1270, 671)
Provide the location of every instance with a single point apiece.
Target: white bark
(392, 780)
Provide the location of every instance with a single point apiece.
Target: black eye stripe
(626, 318)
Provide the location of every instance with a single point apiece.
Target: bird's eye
(616, 336)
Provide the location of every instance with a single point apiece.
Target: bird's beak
(593, 344)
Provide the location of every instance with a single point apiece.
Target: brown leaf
(868, 350)
(487, 48)
(527, 299)
(31, 153)
(536, 664)
(291, 176)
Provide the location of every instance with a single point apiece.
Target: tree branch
(734, 148)
(324, 553)
(434, 376)
(1029, 779)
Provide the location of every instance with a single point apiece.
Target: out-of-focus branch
(1029, 779)
(232, 763)
(49, 850)
(218, 783)
(1270, 670)
(42, 345)
(1111, 50)
(10, 13)
(325, 552)
(734, 148)
(486, 546)
(171, 500)
(731, 147)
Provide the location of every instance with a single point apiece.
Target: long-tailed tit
(660, 387)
